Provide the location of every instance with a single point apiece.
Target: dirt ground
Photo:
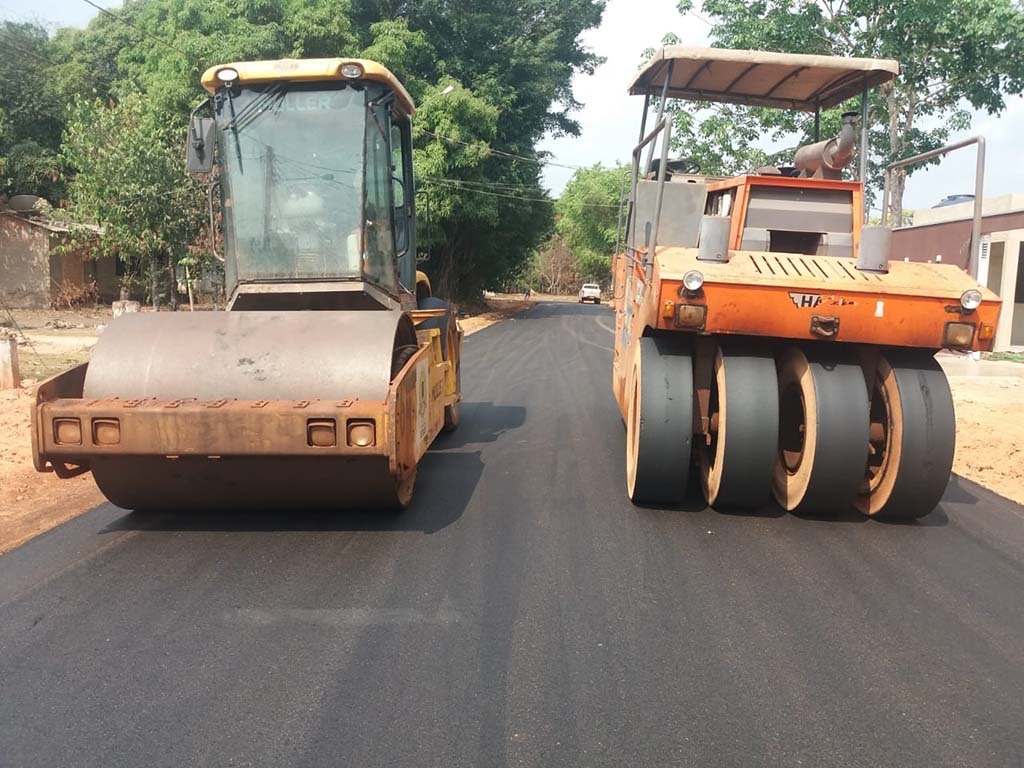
(989, 397)
(52, 341)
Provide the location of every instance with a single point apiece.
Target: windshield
(292, 158)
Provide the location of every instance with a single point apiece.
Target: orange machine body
(774, 295)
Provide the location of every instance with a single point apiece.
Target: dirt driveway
(30, 502)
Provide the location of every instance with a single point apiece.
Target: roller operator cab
(334, 368)
(765, 335)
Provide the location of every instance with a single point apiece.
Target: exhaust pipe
(826, 159)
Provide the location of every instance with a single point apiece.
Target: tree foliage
(588, 218)
(30, 114)
(130, 176)
(510, 69)
(954, 54)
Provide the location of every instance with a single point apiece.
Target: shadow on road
(547, 309)
(444, 486)
(481, 423)
(694, 503)
(445, 482)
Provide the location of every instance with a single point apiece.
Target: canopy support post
(817, 123)
(864, 149)
(661, 113)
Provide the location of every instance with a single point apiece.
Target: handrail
(665, 124)
(979, 186)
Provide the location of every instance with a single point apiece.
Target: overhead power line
(502, 153)
(457, 184)
(141, 31)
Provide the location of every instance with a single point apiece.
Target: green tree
(510, 68)
(129, 176)
(588, 218)
(31, 115)
(953, 54)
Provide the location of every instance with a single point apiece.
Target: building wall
(24, 264)
(948, 239)
(72, 269)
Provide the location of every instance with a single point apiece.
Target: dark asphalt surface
(522, 613)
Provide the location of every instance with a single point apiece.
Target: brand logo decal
(805, 300)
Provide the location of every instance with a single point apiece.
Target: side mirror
(200, 143)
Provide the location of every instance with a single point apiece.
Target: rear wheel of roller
(736, 468)
(449, 343)
(823, 430)
(659, 424)
(912, 437)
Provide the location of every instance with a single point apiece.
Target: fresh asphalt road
(521, 613)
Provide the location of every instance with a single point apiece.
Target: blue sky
(610, 119)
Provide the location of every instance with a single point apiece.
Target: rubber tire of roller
(659, 426)
(452, 413)
(922, 438)
(835, 441)
(739, 475)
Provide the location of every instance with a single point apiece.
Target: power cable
(455, 184)
(38, 58)
(502, 153)
(150, 35)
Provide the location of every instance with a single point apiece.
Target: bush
(73, 295)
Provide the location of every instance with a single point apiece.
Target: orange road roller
(767, 340)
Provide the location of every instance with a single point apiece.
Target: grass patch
(1006, 357)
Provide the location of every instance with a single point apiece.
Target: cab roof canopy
(760, 78)
(308, 70)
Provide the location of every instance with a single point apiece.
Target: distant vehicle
(953, 200)
(590, 292)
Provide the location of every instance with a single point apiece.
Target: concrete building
(944, 234)
(33, 269)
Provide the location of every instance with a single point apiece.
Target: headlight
(693, 280)
(970, 299)
(227, 75)
(351, 71)
(958, 335)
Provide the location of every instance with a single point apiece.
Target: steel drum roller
(245, 355)
(248, 356)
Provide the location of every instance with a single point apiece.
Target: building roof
(760, 78)
(308, 70)
(1000, 205)
(49, 224)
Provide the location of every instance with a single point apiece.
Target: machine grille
(829, 268)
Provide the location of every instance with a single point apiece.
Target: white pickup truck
(590, 292)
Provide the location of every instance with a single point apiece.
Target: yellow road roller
(333, 368)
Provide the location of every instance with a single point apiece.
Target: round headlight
(970, 299)
(228, 75)
(351, 71)
(693, 280)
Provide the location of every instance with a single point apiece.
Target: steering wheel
(683, 165)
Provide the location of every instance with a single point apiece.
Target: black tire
(736, 470)
(449, 334)
(913, 437)
(400, 357)
(823, 430)
(659, 423)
